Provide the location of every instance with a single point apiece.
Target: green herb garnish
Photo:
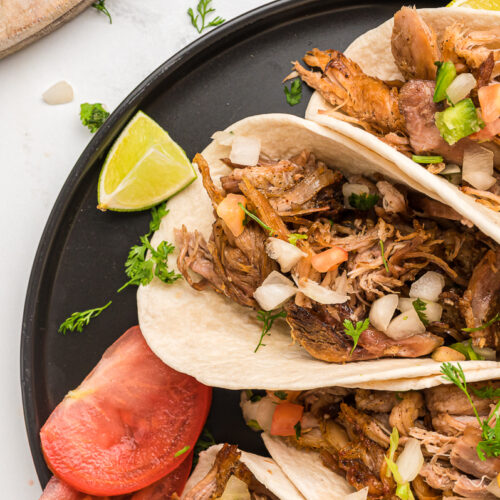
(363, 201)
(294, 237)
(427, 159)
(420, 306)
(457, 122)
(203, 10)
(382, 252)
(489, 446)
(252, 397)
(181, 452)
(267, 318)
(294, 93)
(204, 442)
(487, 392)
(485, 325)
(281, 395)
(355, 331)
(298, 430)
(254, 425)
(466, 349)
(257, 220)
(93, 115)
(78, 320)
(100, 5)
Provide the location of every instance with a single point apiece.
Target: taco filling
(428, 444)
(360, 268)
(445, 114)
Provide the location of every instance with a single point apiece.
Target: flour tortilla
(372, 51)
(213, 339)
(264, 469)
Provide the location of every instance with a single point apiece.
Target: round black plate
(233, 72)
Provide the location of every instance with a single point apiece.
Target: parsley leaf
(298, 430)
(355, 331)
(420, 306)
(489, 446)
(294, 93)
(382, 252)
(257, 220)
(93, 115)
(281, 395)
(253, 397)
(181, 452)
(363, 201)
(203, 9)
(100, 5)
(466, 349)
(78, 320)
(204, 442)
(483, 326)
(295, 237)
(267, 318)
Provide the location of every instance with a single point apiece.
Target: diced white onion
(223, 137)
(450, 169)
(410, 461)
(60, 93)
(245, 151)
(350, 188)
(320, 293)
(433, 310)
(236, 489)
(286, 254)
(477, 168)
(486, 353)
(493, 488)
(358, 495)
(382, 311)
(261, 411)
(405, 325)
(275, 290)
(341, 284)
(428, 287)
(460, 87)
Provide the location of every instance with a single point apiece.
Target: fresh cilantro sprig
(100, 6)
(420, 306)
(487, 392)
(253, 397)
(298, 430)
(382, 252)
(295, 237)
(281, 395)
(484, 325)
(204, 442)
(257, 220)
(203, 9)
(78, 320)
(355, 331)
(267, 318)
(489, 446)
(363, 201)
(93, 115)
(294, 93)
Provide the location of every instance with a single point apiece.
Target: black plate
(233, 72)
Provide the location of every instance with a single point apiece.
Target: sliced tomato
(489, 100)
(231, 213)
(329, 259)
(120, 429)
(285, 418)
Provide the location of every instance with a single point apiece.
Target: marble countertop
(39, 145)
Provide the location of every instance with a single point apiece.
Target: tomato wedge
(120, 429)
(285, 417)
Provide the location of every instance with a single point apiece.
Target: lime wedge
(144, 167)
(476, 4)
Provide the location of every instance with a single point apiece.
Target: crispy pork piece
(375, 401)
(406, 412)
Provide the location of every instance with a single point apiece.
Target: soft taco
(225, 472)
(428, 444)
(423, 91)
(365, 280)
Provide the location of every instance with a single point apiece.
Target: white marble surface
(39, 145)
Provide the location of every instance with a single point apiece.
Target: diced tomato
(487, 133)
(285, 418)
(329, 259)
(489, 100)
(120, 429)
(289, 396)
(231, 213)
